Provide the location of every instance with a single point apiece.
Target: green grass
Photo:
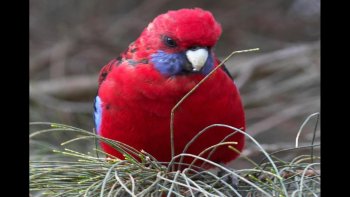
(140, 174)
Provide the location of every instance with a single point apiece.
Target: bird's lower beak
(197, 58)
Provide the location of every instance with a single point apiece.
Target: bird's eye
(169, 42)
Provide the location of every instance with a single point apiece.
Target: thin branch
(191, 91)
(69, 87)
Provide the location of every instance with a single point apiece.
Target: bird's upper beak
(197, 57)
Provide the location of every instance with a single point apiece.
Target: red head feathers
(187, 27)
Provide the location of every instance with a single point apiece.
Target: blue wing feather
(98, 113)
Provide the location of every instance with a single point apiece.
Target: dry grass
(140, 174)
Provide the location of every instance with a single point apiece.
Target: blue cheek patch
(98, 113)
(208, 66)
(171, 63)
(168, 63)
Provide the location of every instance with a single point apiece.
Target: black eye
(169, 42)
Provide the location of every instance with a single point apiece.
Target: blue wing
(97, 113)
(98, 103)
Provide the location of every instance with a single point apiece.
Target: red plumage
(137, 99)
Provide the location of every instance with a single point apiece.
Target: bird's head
(181, 41)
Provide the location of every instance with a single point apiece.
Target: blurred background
(70, 41)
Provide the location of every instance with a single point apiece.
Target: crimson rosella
(138, 89)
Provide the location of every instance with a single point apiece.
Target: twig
(279, 117)
(246, 68)
(69, 87)
(191, 91)
(44, 58)
(61, 105)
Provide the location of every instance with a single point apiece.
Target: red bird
(138, 89)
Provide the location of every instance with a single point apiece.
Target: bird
(138, 89)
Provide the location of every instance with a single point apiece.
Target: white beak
(197, 58)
